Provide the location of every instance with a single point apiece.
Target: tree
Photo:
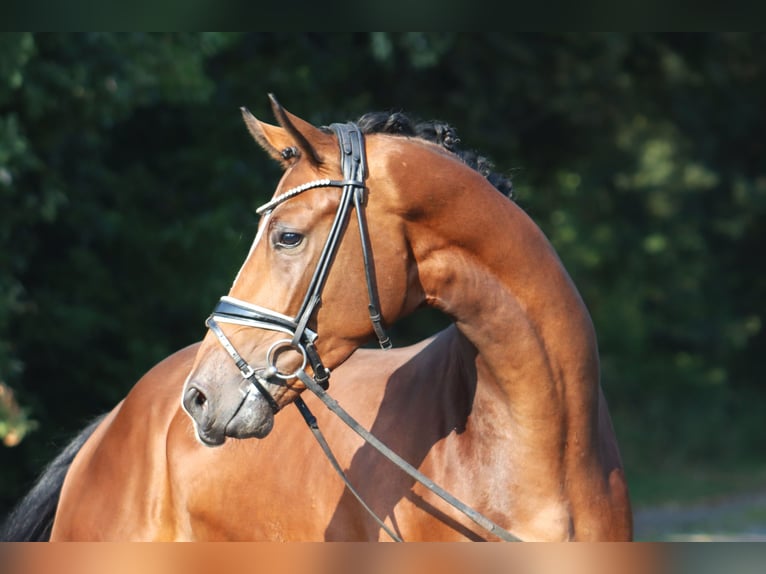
(127, 188)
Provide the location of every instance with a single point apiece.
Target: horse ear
(311, 141)
(272, 139)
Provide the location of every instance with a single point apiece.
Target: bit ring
(272, 368)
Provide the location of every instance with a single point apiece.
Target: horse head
(318, 282)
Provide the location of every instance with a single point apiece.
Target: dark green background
(128, 184)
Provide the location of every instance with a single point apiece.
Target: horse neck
(483, 261)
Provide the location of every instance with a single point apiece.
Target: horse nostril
(195, 400)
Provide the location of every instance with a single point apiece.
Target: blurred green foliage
(127, 188)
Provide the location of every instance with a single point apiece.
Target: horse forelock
(437, 132)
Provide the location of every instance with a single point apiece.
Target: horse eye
(289, 239)
(289, 152)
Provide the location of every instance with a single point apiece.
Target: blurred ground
(738, 517)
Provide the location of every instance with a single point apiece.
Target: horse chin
(253, 419)
(209, 439)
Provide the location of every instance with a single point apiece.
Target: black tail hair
(32, 519)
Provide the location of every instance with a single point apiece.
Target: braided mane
(434, 131)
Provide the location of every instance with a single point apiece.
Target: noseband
(299, 337)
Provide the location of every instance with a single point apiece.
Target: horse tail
(32, 518)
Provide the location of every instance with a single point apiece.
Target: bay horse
(504, 408)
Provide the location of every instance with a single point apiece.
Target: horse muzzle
(246, 414)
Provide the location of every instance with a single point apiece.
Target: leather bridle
(301, 338)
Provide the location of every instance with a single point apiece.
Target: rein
(373, 441)
(302, 339)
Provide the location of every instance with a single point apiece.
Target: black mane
(440, 133)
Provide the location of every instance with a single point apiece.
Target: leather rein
(301, 338)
